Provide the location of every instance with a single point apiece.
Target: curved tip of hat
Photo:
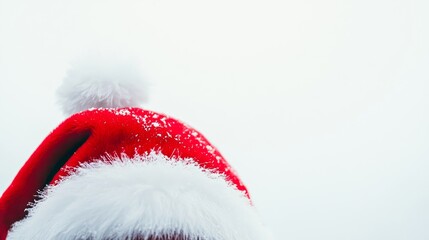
(102, 82)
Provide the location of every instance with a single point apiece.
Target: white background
(321, 106)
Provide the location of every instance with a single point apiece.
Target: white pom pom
(102, 83)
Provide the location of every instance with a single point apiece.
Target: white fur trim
(102, 82)
(146, 195)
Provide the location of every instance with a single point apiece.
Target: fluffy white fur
(147, 195)
(100, 82)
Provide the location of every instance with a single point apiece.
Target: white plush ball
(102, 82)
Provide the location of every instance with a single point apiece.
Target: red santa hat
(121, 172)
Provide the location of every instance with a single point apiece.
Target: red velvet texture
(92, 134)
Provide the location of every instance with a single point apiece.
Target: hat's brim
(145, 196)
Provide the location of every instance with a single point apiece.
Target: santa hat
(121, 172)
